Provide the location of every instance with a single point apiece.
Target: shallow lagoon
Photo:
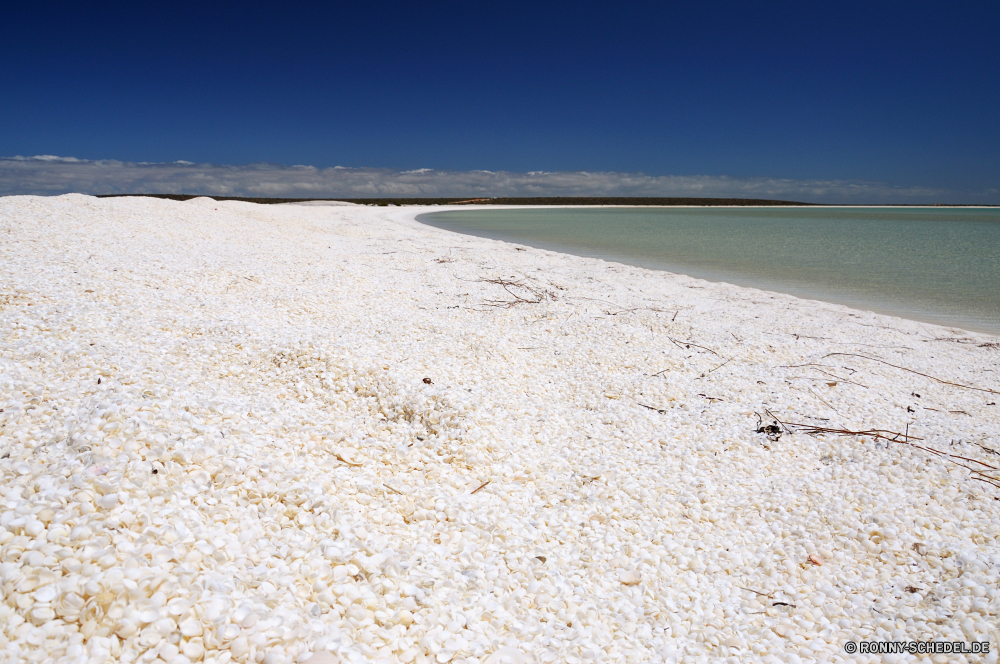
(940, 265)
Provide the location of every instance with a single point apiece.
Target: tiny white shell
(178, 606)
(149, 614)
(506, 655)
(149, 637)
(191, 628)
(239, 646)
(630, 578)
(348, 456)
(193, 650)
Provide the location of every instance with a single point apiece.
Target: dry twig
(939, 380)
(537, 296)
(721, 365)
(894, 437)
(825, 373)
(688, 344)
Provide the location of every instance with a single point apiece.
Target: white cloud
(47, 175)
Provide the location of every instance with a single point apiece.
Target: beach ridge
(238, 432)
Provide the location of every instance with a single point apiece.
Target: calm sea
(940, 265)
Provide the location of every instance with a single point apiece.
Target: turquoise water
(940, 265)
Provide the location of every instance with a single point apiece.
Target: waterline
(940, 265)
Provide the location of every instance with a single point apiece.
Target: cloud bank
(48, 175)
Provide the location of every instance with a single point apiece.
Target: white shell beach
(242, 433)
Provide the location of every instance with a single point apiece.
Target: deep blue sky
(906, 93)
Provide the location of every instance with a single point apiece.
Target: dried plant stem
(689, 343)
(538, 295)
(892, 437)
(896, 366)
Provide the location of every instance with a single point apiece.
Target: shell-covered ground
(233, 432)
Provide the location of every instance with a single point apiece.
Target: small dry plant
(521, 291)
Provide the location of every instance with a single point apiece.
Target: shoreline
(385, 202)
(808, 293)
(379, 439)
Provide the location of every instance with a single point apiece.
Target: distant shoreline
(551, 200)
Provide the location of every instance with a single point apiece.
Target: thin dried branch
(688, 344)
(522, 293)
(896, 366)
(720, 366)
(634, 309)
(815, 367)
(893, 437)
